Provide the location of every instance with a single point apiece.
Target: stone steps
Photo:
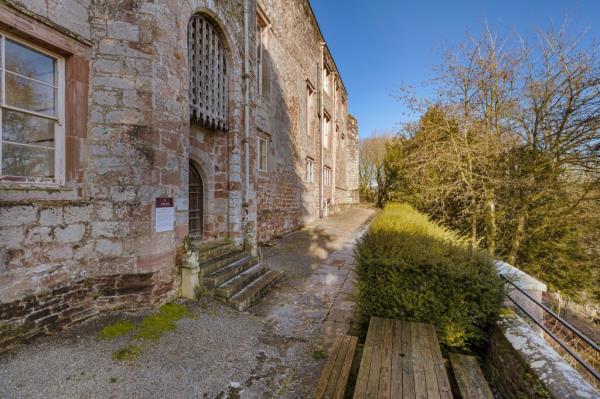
(236, 284)
(227, 272)
(210, 266)
(253, 292)
(214, 249)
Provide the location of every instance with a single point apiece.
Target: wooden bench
(469, 377)
(334, 377)
(401, 360)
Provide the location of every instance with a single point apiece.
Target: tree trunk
(491, 227)
(518, 237)
(473, 222)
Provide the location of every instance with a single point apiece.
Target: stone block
(17, 215)
(70, 233)
(51, 217)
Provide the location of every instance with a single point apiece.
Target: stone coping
(520, 278)
(559, 378)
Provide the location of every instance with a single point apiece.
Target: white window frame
(326, 79)
(327, 176)
(326, 131)
(310, 108)
(59, 118)
(310, 174)
(262, 43)
(260, 155)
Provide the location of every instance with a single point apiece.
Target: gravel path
(268, 352)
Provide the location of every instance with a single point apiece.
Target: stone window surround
(310, 174)
(310, 108)
(75, 52)
(326, 130)
(262, 139)
(327, 176)
(263, 26)
(327, 79)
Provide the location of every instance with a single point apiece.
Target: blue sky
(380, 45)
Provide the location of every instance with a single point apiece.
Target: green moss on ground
(156, 325)
(319, 354)
(129, 353)
(116, 329)
(152, 327)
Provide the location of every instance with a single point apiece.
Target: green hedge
(411, 268)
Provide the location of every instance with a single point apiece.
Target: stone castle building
(129, 126)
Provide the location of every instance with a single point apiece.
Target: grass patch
(319, 354)
(156, 325)
(117, 329)
(129, 353)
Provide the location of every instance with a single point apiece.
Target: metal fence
(583, 350)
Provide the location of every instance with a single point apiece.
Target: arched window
(208, 74)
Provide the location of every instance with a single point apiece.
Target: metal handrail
(582, 362)
(556, 316)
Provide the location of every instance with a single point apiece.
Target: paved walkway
(272, 351)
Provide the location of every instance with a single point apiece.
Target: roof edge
(312, 12)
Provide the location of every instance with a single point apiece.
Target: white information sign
(164, 215)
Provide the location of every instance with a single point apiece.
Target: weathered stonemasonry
(85, 242)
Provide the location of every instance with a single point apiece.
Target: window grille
(208, 74)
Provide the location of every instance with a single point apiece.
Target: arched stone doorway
(196, 203)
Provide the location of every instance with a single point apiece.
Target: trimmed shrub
(410, 268)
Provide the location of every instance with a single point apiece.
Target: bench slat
(439, 364)
(418, 361)
(385, 378)
(469, 377)
(408, 375)
(360, 390)
(334, 376)
(431, 382)
(328, 368)
(375, 372)
(397, 359)
(343, 379)
(337, 368)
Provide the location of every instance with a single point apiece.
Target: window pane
(19, 160)
(28, 62)
(27, 94)
(28, 129)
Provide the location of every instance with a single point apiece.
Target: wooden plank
(345, 372)
(327, 369)
(427, 361)
(418, 362)
(362, 381)
(385, 378)
(408, 374)
(374, 373)
(397, 359)
(439, 364)
(337, 367)
(469, 377)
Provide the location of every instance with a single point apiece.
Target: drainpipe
(248, 233)
(321, 126)
(334, 141)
